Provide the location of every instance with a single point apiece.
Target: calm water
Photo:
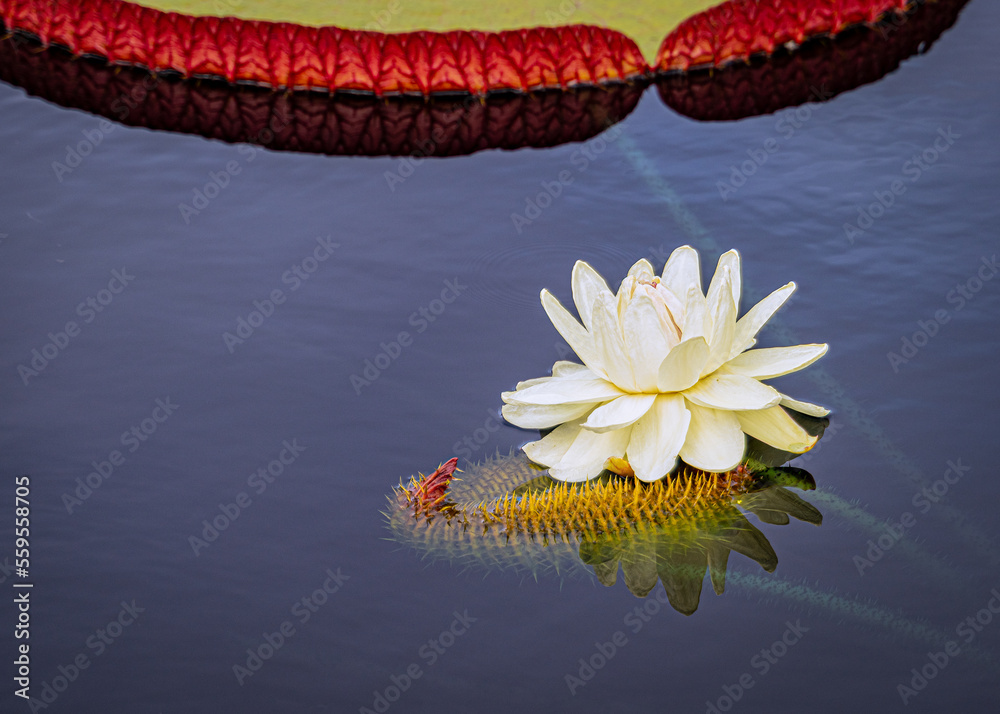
(391, 251)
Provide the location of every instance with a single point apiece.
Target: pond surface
(185, 422)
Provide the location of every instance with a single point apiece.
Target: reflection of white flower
(665, 373)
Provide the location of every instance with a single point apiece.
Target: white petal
(645, 341)
(775, 361)
(609, 344)
(674, 306)
(657, 438)
(564, 391)
(576, 473)
(682, 366)
(625, 293)
(732, 392)
(683, 270)
(750, 324)
(585, 455)
(573, 332)
(721, 288)
(695, 315)
(659, 296)
(773, 426)
(619, 413)
(551, 448)
(642, 270)
(715, 441)
(730, 261)
(572, 370)
(722, 314)
(813, 410)
(587, 286)
(524, 384)
(542, 417)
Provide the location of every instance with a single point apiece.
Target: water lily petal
(775, 361)
(722, 315)
(572, 370)
(674, 307)
(732, 392)
(576, 336)
(773, 426)
(609, 343)
(659, 296)
(553, 446)
(730, 261)
(619, 413)
(695, 315)
(625, 292)
(529, 416)
(715, 441)
(719, 290)
(642, 270)
(683, 270)
(657, 438)
(645, 341)
(579, 453)
(682, 366)
(749, 325)
(813, 410)
(587, 286)
(525, 383)
(564, 391)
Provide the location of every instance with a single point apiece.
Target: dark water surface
(653, 184)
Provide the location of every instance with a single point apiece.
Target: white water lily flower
(667, 372)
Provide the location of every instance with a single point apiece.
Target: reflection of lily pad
(775, 505)
(504, 514)
(680, 557)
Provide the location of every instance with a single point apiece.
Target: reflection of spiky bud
(504, 515)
